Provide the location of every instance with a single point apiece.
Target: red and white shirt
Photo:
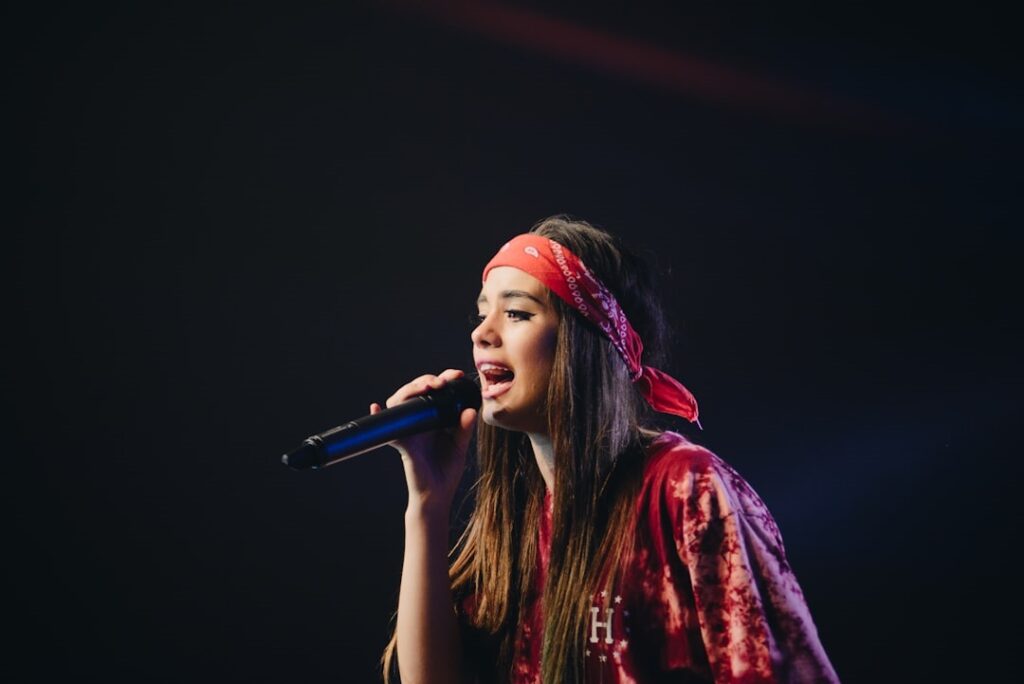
(709, 596)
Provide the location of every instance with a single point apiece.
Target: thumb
(465, 431)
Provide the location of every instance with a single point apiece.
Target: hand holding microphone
(428, 420)
(435, 460)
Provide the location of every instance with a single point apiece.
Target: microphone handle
(418, 414)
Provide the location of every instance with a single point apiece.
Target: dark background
(232, 227)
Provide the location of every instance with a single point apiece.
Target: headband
(563, 273)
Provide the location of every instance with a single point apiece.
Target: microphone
(438, 408)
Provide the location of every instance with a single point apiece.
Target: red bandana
(563, 273)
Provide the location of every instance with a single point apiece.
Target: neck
(545, 456)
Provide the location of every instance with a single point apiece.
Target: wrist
(427, 512)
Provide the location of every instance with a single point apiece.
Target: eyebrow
(511, 294)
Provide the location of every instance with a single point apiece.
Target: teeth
(493, 366)
(495, 375)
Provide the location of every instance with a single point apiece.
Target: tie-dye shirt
(708, 597)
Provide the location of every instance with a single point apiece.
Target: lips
(495, 379)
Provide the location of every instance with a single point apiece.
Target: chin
(498, 417)
(501, 417)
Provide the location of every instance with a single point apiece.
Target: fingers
(422, 385)
(451, 374)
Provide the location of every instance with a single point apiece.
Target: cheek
(543, 354)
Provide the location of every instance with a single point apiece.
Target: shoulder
(688, 480)
(676, 463)
(672, 453)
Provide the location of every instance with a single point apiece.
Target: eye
(512, 314)
(517, 315)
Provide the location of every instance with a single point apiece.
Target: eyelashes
(511, 314)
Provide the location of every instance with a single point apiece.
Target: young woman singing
(600, 549)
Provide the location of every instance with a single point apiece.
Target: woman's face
(513, 349)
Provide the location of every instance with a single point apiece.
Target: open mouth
(496, 379)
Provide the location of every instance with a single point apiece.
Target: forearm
(429, 647)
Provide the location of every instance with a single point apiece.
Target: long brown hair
(596, 422)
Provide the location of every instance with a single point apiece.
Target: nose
(486, 334)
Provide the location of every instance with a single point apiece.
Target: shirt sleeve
(753, 619)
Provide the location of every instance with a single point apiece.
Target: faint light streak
(655, 66)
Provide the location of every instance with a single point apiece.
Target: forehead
(502, 279)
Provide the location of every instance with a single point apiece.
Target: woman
(599, 550)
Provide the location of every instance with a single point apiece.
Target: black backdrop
(232, 227)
